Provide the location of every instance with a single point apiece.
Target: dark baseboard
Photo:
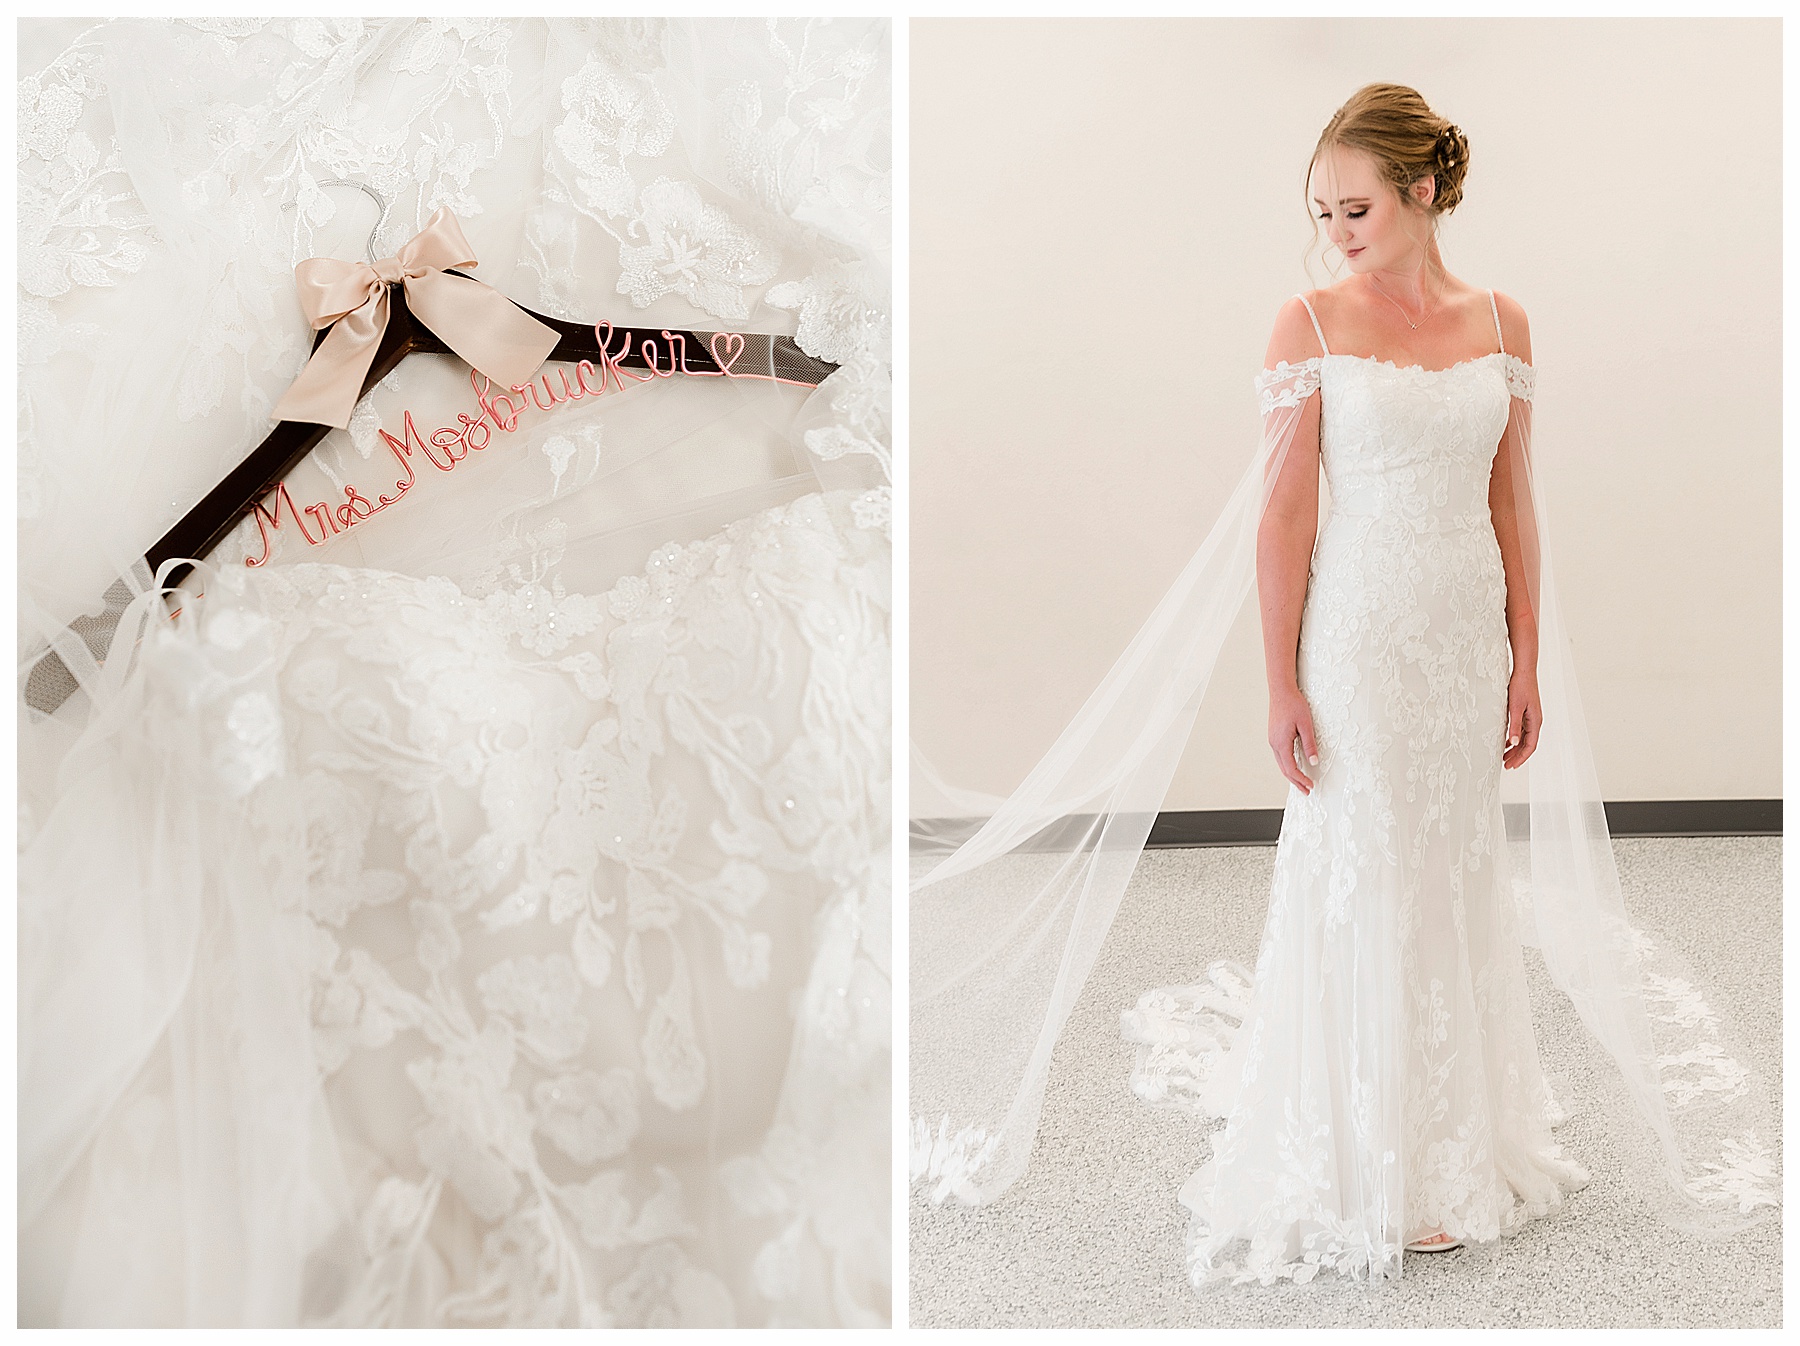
(1694, 817)
(1216, 827)
(1261, 827)
(1624, 818)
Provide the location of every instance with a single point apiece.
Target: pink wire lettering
(554, 399)
(449, 438)
(611, 361)
(321, 513)
(266, 519)
(403, 456)
(355, 508)
(500, 414)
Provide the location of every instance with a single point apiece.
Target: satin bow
(476, 321)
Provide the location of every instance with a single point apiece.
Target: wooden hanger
(208, 523)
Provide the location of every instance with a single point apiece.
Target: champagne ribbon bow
(480, 324)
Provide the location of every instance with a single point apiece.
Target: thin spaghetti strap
(1317, 330)
(1493, 304)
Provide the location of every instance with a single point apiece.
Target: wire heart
(726, 339)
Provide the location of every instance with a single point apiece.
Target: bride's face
(1365, 218)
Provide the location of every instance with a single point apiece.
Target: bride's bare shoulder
(1515, 329)
(1294, 338)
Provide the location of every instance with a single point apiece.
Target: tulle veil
(1006, 929)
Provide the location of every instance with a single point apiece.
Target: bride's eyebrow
(1346, 201)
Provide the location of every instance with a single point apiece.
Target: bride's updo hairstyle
(1396, 128)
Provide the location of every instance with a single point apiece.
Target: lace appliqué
(573, 806)
(1521, 378)
(1287, 385)
(803, 141)
(947, 1162)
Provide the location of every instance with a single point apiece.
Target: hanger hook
(373, 195)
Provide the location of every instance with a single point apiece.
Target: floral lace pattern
(559, 850)
(1286, 385)
(946, 1160)
(673, 238)
(1521, 378)
(79, 221)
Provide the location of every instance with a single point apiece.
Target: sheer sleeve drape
(1696, 1131)
(1006, 929)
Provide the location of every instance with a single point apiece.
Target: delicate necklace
(1396, 303)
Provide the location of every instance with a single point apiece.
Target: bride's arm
(1509, 506)
(1284, 545)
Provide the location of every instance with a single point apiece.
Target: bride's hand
(1524, 718)
(1290, 718)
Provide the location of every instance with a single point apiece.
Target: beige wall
(1106, 216)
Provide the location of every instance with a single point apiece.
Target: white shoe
(1433, 1243)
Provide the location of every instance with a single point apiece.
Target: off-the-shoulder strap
(1317, 330)
(1494, 304)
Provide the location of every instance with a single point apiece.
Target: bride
(1404, 673)
(1378, 1075)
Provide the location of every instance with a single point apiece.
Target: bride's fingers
(1534, 725)
(1517, 752)
(1290, 768)
(1307, 743)
(1284, 764)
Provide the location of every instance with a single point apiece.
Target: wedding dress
(476, 915)
(1378, 1076)
(1383, 1082)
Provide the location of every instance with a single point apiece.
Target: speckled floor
(1091, 1236)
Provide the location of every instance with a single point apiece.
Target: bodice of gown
(1412, 445)
(1403, 645)
(592, 917)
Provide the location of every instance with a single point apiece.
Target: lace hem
(1322, 1242)
(1287, 385)
(1183, 1036)
(946, 1162)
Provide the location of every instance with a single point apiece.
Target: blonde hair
(1396, 128)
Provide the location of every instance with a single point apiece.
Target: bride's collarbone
(1456, 335)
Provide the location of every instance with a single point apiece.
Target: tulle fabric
(1698, 1128)
(193, 1150)
(1006, 929)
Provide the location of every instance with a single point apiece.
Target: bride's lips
(1353, 252)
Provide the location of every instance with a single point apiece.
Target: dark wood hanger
(208, 523)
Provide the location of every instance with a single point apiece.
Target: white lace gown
(1378, 1075)
(480, 919)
